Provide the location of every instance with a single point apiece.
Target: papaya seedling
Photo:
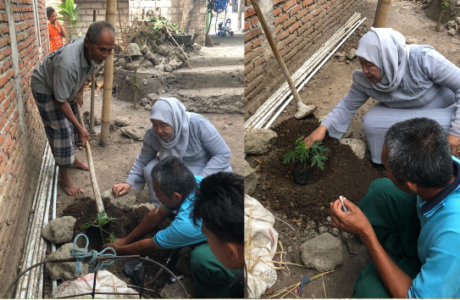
(302, 154)
(101, 220)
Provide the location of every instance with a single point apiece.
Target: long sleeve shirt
(206, 153)
(427, 72)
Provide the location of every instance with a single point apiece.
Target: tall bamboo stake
(381, 14)
(93, 87)
(108, 79)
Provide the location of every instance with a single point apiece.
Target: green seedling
(302, 154)
(101, 220)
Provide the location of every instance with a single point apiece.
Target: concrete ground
(236, 40)
(325, 90)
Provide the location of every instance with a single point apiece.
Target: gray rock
(250, 179)
(451, 24)
(134, 50)
(457, 20)
(124, 202)
(335, 231)
(146, 64)
(311, 224)
(451, 32)
(290, 249)
(328, 219)
(144, 101)
(323, 253)
(258, 141)
(175, 291)
(59, 230)
(357, 146)
(132, 132)
(322, 229)
(144, 49)
(342, 58)
(354, 247)
(153, 97)
(121, 122)
(148, 107)
(66, 270)
(411, 40)
(175, 63)
(165, 49)
(351, 54)
(339, 54)
(149, 206)
(168, 68)
(137, 64)
(148, 56)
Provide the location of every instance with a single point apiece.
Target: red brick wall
(300, 27)
(22, 136)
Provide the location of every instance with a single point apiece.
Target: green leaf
(64, 13)
(70, 6)
(76, 12)
(290, 157)
(62, 6)
(112, 238)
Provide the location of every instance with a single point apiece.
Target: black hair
(419, 152)
(95, 30)
(173, 176)
(49, 11)
(219, 203)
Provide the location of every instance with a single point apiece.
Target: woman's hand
(454, 142)
(317, 135)
(121, 189)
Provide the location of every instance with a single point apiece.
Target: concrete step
(210, 77)
(213, 100)
(213, 57)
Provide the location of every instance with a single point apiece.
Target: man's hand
(83, 136)
(121, 189)
(119, 243)
(78, 100)
(353, 221)
(454, 142)
(317, 135)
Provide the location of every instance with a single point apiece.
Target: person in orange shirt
(55, 29)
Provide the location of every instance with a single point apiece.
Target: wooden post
(108, 79)
(240, 7)
(381, 15)
(302, 111)
(92, 172)
(93, 87)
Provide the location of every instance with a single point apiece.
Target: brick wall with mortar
(299, 28)
(23, 43)
(86, 14)
(172, 9)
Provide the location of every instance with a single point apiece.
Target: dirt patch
(84, 210)
(344, 174)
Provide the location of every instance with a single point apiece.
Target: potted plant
(302, 154)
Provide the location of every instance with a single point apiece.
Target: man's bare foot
(68, 186)
(78, 164)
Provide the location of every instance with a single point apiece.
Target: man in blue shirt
(174, 185)
(410, 222)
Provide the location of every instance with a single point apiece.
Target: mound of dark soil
(344, 174)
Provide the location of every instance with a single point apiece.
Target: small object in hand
(344, 208)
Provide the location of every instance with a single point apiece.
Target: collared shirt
(439, 243)
(63, 72)
(182, 232)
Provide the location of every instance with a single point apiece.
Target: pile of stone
(165, 58)
(453, 26)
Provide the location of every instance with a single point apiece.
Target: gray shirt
(427, 72)
(63, 72)
(206, 153)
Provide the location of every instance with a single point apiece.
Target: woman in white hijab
(176, 132)
(410, 81)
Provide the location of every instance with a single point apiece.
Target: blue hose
(83, 256)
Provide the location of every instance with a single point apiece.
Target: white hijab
(385, 48)
(172, 112)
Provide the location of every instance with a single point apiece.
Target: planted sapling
(101, 220)
(302, 154)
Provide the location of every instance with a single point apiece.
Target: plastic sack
(105, 282)
(264, 239)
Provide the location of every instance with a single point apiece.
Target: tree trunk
(438, 27)
(187, 14)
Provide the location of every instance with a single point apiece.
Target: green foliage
(159, 22)
(445, 4)
(302, 154)
(69, 12)
(101, 220)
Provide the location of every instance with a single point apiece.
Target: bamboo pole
(302, 109)
(381, 14)
(93, 87)
(89, 156)
(108, 79)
